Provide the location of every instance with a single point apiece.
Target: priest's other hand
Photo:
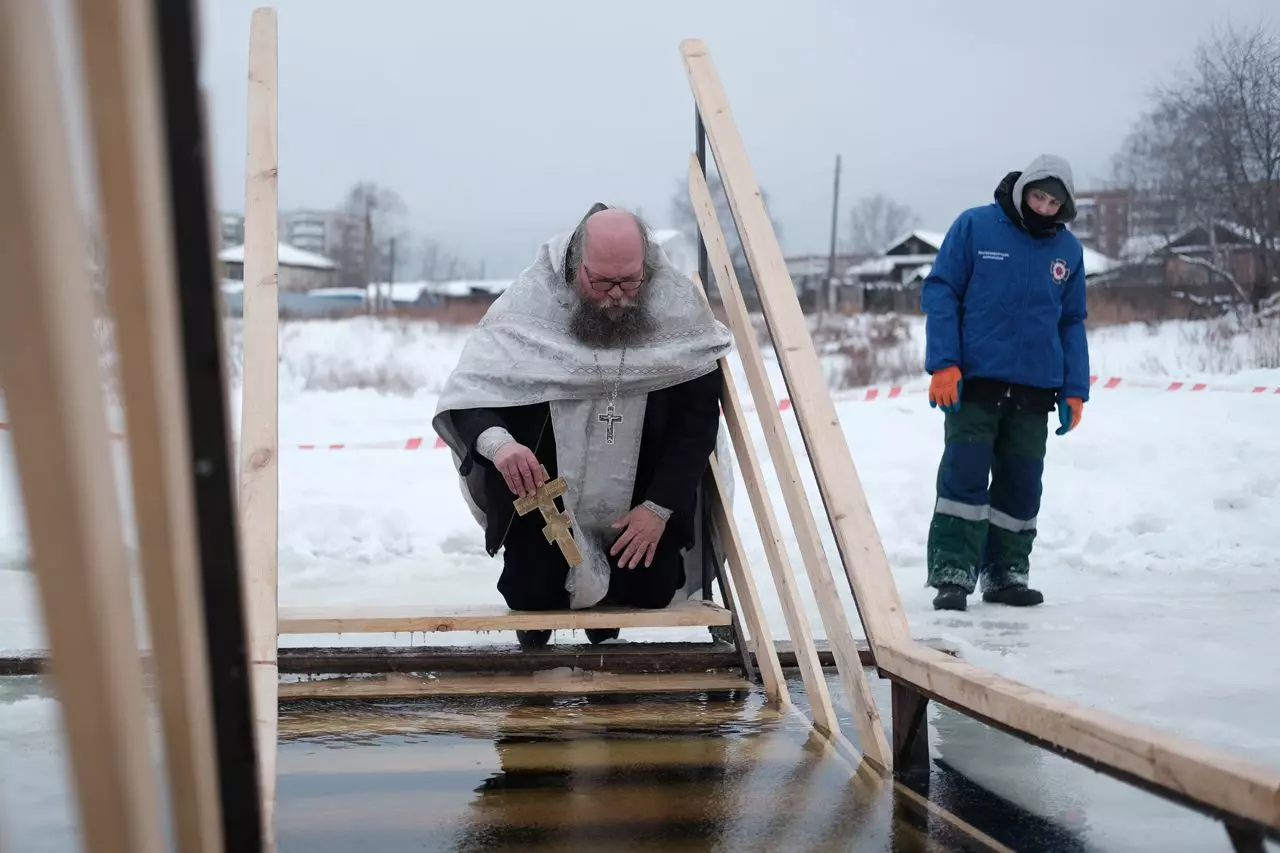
(641, 530)
(520, 468)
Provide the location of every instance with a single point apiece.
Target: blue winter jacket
(1005, 305)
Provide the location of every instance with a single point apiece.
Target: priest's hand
(520, 468)
(641, 530)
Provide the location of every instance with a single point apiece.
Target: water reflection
(605, 773)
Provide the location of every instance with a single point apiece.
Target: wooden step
(558, 682)
(379, 619)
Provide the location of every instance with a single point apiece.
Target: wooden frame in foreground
(49, 367)
(1244, 795)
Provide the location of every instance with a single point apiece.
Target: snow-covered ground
(1159, 551)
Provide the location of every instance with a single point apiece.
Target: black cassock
(679, 434)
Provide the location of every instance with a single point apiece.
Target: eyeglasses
(600, 284)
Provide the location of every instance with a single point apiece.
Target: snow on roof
(287, 256)
(886, 264)
(467, 286)
(337, 293)
(400, 291)
(920, 273)
(872, 266)
(1142, 246)
(1096, 263)
(932, 238)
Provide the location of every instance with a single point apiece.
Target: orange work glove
(944, 389)
(1070, 411)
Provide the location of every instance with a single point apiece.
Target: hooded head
(1047, 176)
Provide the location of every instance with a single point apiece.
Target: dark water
(703, 772)
(708, 772)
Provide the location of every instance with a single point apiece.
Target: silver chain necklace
(609, 417)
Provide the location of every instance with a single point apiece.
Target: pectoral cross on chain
(557, 522)
(609, 419)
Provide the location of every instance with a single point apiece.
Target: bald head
(614, 244)
(611, 272)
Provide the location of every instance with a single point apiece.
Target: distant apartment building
(231, 227)
(1107, 219)
(317, 231)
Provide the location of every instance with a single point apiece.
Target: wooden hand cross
(557, 522)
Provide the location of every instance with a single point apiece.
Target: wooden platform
(412, 619)
(560, 682)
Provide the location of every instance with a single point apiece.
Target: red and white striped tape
(861, 395)
(1158, 385)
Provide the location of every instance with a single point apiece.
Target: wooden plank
(259, 471)
(758, 493)
(398, 686)
(1181, 769)
(775, 684)
(691, 719)
(861, 550)
(616, 657)
(839, 633)
(117, 37)
(411, 619)
(50, 374)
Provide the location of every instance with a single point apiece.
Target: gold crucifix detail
(557, 522)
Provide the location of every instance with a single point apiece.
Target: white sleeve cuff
(660, 511)
(491, 441)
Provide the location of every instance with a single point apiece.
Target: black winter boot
(596, 636)
(1014, 596)
(950, 597)
(533, 639)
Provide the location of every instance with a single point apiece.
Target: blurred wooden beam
(51, 378)
(121, 72)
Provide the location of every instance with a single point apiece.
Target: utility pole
(368, 253)
(391, 273)
(831, 262)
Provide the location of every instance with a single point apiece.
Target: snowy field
(1159, 552)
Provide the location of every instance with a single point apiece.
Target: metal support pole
(910, 737)
(700, 145)
(226, 622)
(704, 274)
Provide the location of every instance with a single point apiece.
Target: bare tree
(686, 221)
(433, 261)
(1210, 145)
(875, 220)
(386, 212)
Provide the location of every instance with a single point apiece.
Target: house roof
(931, 238)
(1243, 234)
(287, 256)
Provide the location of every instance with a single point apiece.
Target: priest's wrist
(492, 440)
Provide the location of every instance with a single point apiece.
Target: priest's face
(612, 294)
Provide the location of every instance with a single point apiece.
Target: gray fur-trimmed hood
(1048, 166)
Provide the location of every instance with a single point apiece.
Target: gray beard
(590, 325)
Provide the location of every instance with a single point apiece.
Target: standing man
(1006, 345)
(599, 365)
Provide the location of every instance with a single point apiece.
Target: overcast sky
(499, 123)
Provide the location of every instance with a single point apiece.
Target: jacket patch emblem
(1058, 269)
